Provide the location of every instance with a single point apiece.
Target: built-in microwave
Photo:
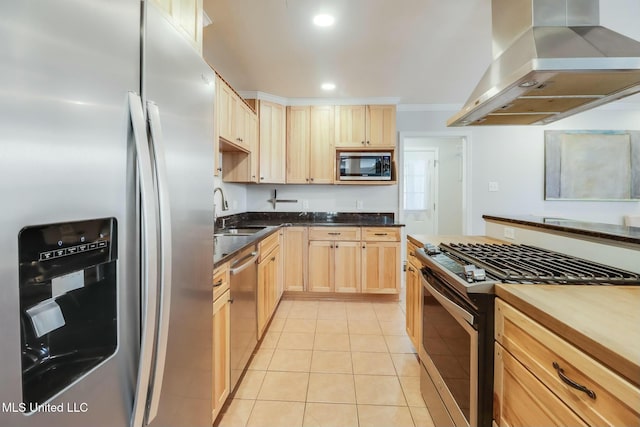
(365, 166)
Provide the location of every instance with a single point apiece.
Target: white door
(420, 198)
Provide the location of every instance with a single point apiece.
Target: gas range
(475, 268)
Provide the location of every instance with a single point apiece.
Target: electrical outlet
(493, 186)
(358, 204)
(509, 233)
(305, 204)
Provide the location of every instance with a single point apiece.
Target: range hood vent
(552, 59)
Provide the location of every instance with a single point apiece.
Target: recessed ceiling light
(323, 20)
(328, 86)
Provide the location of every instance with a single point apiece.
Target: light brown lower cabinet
(221, 351)
(295, 244)
(334, 266)
(267, 298)
(380, 267)
(529, 389)
(413, 304)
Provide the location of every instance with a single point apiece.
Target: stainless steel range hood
(551, 60)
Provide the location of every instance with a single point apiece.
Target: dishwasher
(244, 324)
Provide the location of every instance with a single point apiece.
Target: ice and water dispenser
(68, 303)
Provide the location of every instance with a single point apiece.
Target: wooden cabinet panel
(298, 140)
(350, 126)
(268, 244)
(267, 292)
(370, 126)
(381, 126)
(321, 266)
(411, 248)
(347, 259)
(322, 149)
(381, 267)
(413, 305)
(226, 111)
(295, 258)
(272, 118)
(221, 352)
(186, 16)
(334, 233)
(521, 400)
(617, 401)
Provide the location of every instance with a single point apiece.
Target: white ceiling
(416, 51)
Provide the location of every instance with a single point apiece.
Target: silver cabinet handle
(165, 256)
(149, 258)
(252, 257)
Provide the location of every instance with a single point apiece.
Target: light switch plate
(493, 186)
(358, 204)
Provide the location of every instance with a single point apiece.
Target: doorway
(432, 191)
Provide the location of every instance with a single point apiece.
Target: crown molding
(317, 101)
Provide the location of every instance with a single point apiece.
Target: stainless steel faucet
(225, 205)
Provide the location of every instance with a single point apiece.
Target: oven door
(449, 357)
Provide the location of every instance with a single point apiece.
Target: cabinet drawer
(381, 234)
(220, 280)
(334, 233)
(616, 400)
(268, 244)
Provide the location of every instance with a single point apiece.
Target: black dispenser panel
(68, 303)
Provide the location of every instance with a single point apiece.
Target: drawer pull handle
(380, 234)
(333, 234)
(570, 382)
(218, 283)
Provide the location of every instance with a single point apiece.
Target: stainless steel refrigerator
(106, 219)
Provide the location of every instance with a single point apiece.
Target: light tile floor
(332, 363)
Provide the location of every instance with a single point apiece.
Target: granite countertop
(612, 232)
(225, 247)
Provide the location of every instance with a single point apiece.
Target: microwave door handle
(451, 307)
(149, 258)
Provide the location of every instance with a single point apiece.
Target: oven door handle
(451, 307)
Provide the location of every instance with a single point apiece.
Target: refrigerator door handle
(165, 258)
(149, 258)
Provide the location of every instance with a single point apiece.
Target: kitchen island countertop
(603, 321)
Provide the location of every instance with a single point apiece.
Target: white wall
(513, 156)
(325, 198)
(235, 194)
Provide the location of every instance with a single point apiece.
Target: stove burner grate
(524, 263)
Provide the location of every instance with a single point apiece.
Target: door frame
(465, 138)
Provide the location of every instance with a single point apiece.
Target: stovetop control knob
(474, 274)
(431, 249)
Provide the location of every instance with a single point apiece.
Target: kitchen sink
(239, 231)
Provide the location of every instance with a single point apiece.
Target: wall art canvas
(592, 165)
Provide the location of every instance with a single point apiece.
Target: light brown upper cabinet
(272, 119)
(186, 16)
(310, 147)
(365, 126)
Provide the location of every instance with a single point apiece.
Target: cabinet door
(221, 366)
(350, 123)
(322, 148)
(321, 266)
(226, 107)
(381, 126)
(520, 399)
(272, 119)
(251, 132)
(347, 261)
(381, 267)
(295, 258)
(413, 305)
(298, 126)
